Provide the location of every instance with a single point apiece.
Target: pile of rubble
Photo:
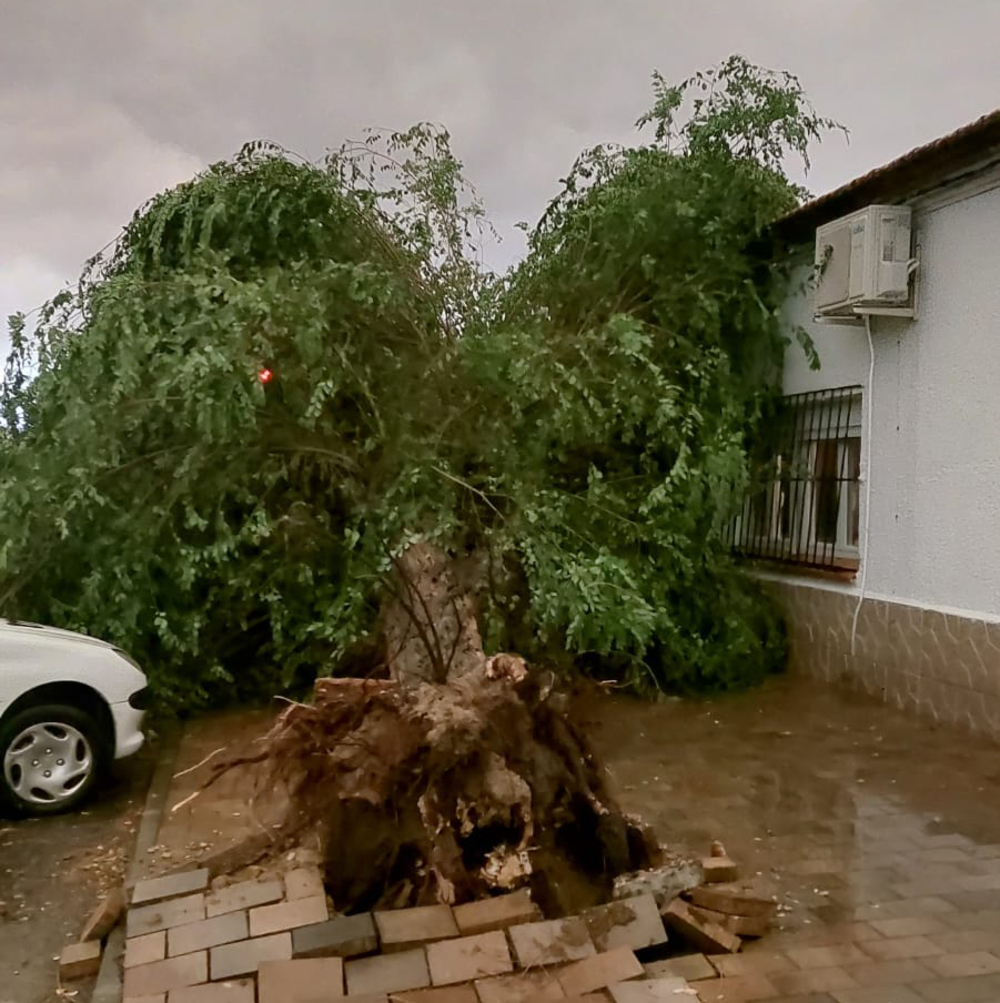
(276, 939)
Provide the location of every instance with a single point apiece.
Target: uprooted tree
(288, 425)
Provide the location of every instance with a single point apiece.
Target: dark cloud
(105, 101)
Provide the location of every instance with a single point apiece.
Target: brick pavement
(879, 833)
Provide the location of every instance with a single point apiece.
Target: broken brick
(145, 949)
(633, 923)
(734, 900)
(236, 991)
(164, 976)
(467, 958)
(443, 994)
(388, 973)
(304, 883)
(601, 970)
(170, 886)
(519, 988)
(719, 869)
(400, 929)
(244, 895)
(105, 917)
(496, 913)
(307, 980)
(177, 912)
(706, 936)
(551, 942)
(692, 967)
(342, 936)
(207, 933)
(79, 961)
(742, 926)
(664, 883)
(667, 990)
(245, 956)
(267, 919)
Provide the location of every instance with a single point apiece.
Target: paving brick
(207, 933)
(753, 963)
(551, 942)
(959, 965)
(633, 923)
(815, 980)
(908, 926)
(145, 949)
(705, 936)
(79, 961)
(601, 970)
(930, 905)
(963, 941)
(890, 973)
(105, 917)
(177, 912)
(719, 869)
(304, 883)
(827, 957)
(443, 994)
(742, 926)
(170, 886)
(519, 988)
(163, 976)
(400, 929)
(243, 895)
(650, 991)
(388, 973)
(740, 989)
(265, 919)
(467, 958)
(230, 961)
(878, 994)
(496, 913)
(891, 948)
(692, 967)
(305, 980)
(342, 937)
(733, 899)
(975, 989)
(235, 991)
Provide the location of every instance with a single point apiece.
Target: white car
(69, 704)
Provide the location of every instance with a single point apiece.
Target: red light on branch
(265, 375)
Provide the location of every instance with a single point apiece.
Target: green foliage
(581, 422)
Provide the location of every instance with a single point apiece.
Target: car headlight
(140, 699)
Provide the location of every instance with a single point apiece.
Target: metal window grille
(804, 505)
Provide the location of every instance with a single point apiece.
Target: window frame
(779, 522)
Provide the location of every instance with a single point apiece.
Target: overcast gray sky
(104, 102)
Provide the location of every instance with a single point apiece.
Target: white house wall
(935, 492)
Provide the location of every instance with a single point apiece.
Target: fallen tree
(220, 447)
(458, 776)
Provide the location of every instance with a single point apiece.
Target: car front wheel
(50, 757)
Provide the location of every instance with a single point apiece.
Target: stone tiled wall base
(944, 666)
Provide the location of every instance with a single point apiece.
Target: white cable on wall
(869, 408)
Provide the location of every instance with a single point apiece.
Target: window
(804, 508)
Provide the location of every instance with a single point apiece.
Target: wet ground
(879, 831)
(52, 874)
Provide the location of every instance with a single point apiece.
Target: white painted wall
(935, 490)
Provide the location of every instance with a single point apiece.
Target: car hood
(22, 626)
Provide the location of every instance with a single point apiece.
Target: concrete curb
(108, 988)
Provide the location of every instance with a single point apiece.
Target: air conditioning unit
(864, 263)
